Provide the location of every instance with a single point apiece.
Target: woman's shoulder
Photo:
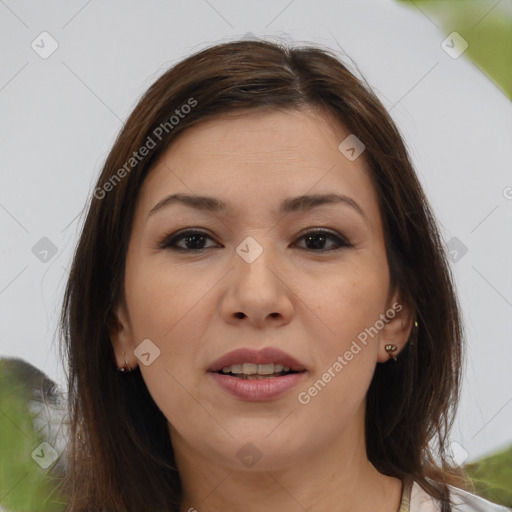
(463, 501)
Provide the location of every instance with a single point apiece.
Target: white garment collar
(463, 501)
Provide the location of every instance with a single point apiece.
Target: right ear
(121, 336)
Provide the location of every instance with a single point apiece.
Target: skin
(310, 303)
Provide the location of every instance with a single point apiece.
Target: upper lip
(264, 356)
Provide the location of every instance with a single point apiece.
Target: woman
(260, 263)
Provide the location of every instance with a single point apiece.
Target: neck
(338, 477)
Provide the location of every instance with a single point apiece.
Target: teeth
(255, 371)
(250, 369)
(237, 368)
(266, 369)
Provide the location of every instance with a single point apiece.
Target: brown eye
(316, 241)
(192, 241)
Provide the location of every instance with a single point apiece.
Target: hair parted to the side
(120, 456)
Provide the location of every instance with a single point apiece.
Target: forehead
(252, 159)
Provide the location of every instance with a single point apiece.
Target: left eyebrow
(289, 205)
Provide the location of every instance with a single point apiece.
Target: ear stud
(390, 349)
(125, 368)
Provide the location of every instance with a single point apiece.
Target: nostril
(240, 315)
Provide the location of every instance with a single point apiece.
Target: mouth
(246, 362)
(257, 375)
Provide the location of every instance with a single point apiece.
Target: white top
(416, 499)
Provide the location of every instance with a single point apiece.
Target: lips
(264, 356)
(235, 374)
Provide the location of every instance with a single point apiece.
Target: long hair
(120, 455)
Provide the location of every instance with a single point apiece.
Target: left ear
(396, 330)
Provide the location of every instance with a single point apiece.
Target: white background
(60, 115)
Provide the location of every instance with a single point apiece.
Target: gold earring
(414, 334)
(390, 349)
(126, 367)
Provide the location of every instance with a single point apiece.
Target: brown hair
(120, 455)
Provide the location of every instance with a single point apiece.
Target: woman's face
(257, 275)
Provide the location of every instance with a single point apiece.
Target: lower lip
(258, 390)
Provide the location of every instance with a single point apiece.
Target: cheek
(348, 302)
(166, 307)
(161, 298)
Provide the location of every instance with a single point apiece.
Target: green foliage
(24, 485)
(492, 477)
(485, 25)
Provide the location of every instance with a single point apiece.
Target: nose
(258, 294)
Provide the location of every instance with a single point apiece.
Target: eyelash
(169, 241)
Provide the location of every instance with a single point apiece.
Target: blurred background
(71, 72)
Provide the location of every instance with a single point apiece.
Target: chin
(262, 447)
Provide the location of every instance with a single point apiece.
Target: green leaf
(30, 473)
(485, 25)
